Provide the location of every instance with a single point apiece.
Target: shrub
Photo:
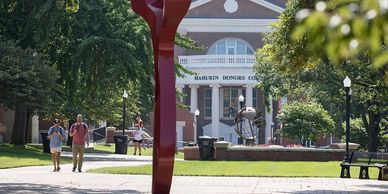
(358, 133)
(305, 121)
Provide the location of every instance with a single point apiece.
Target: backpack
(71, 128)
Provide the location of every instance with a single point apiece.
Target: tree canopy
(97, 48)
(286, 67)
(343, 29)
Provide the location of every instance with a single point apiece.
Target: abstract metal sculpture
(248, 123)
(163, 18)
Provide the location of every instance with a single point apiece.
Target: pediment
(236, 9)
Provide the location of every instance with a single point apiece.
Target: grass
(248, 169)
(12, 156)
(110, 148)
(107, 149)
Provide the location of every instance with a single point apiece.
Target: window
(230, 102)
(254, 98)
(207, 106)
(230, 46)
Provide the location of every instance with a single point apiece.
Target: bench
(365, 160)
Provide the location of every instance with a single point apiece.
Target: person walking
(56, 136)
(138, 137)
(79, 133)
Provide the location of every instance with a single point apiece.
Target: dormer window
(230, 46)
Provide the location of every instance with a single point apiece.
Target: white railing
(217, 60)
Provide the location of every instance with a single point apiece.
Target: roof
(275, 5)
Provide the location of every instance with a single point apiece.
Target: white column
(193, 98)
(215, 110)
(249, 96)
(268, 121)
(35, 129)
(179, 88)
(194, 106)
(179, 132)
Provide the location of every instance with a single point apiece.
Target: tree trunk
(373, 132)
(19, 125)
(28, 118)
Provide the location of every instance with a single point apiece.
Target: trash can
(121, 143)
(384, 174)
(250, 141)
(45, 143)
(206, 147)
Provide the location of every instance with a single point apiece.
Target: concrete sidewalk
(33, 181)
(41, 179)
(111, 157)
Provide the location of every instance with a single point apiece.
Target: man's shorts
(55, 150)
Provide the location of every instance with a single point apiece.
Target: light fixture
(241, 98)
(347, 82)
(125, 95)
(197, 112)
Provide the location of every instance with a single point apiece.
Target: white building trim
(269, 5)
(217, 61)
(225, 25)
(198, 3)
(259, 2)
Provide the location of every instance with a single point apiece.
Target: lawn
(107, 149)
(12, 156)
(110, 148)
(252, 169)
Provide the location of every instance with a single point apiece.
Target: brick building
(231, 31)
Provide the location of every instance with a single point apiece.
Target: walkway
(41, 180)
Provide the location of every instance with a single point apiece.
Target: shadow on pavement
(110, 157)
(383, 187)
(44, 188)
(334, 192)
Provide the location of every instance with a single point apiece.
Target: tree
(99, 51)
(28, 82)
(100, 48)
(287, 67)
(344, 29)
(358, 133)
(305, 121)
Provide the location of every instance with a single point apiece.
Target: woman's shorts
(138, 141)
(55, 150)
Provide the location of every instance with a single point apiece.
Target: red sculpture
(163, 18)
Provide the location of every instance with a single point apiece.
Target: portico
(214, 91)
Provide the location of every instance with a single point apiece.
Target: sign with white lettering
(225, 77)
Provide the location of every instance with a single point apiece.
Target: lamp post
(125, 96)
(241, 100)
(347, 84)
(196, 121)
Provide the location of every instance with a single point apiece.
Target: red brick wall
(191, 153)
(181, 115)
(188, 117)
(268, 154)
(110, 133)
